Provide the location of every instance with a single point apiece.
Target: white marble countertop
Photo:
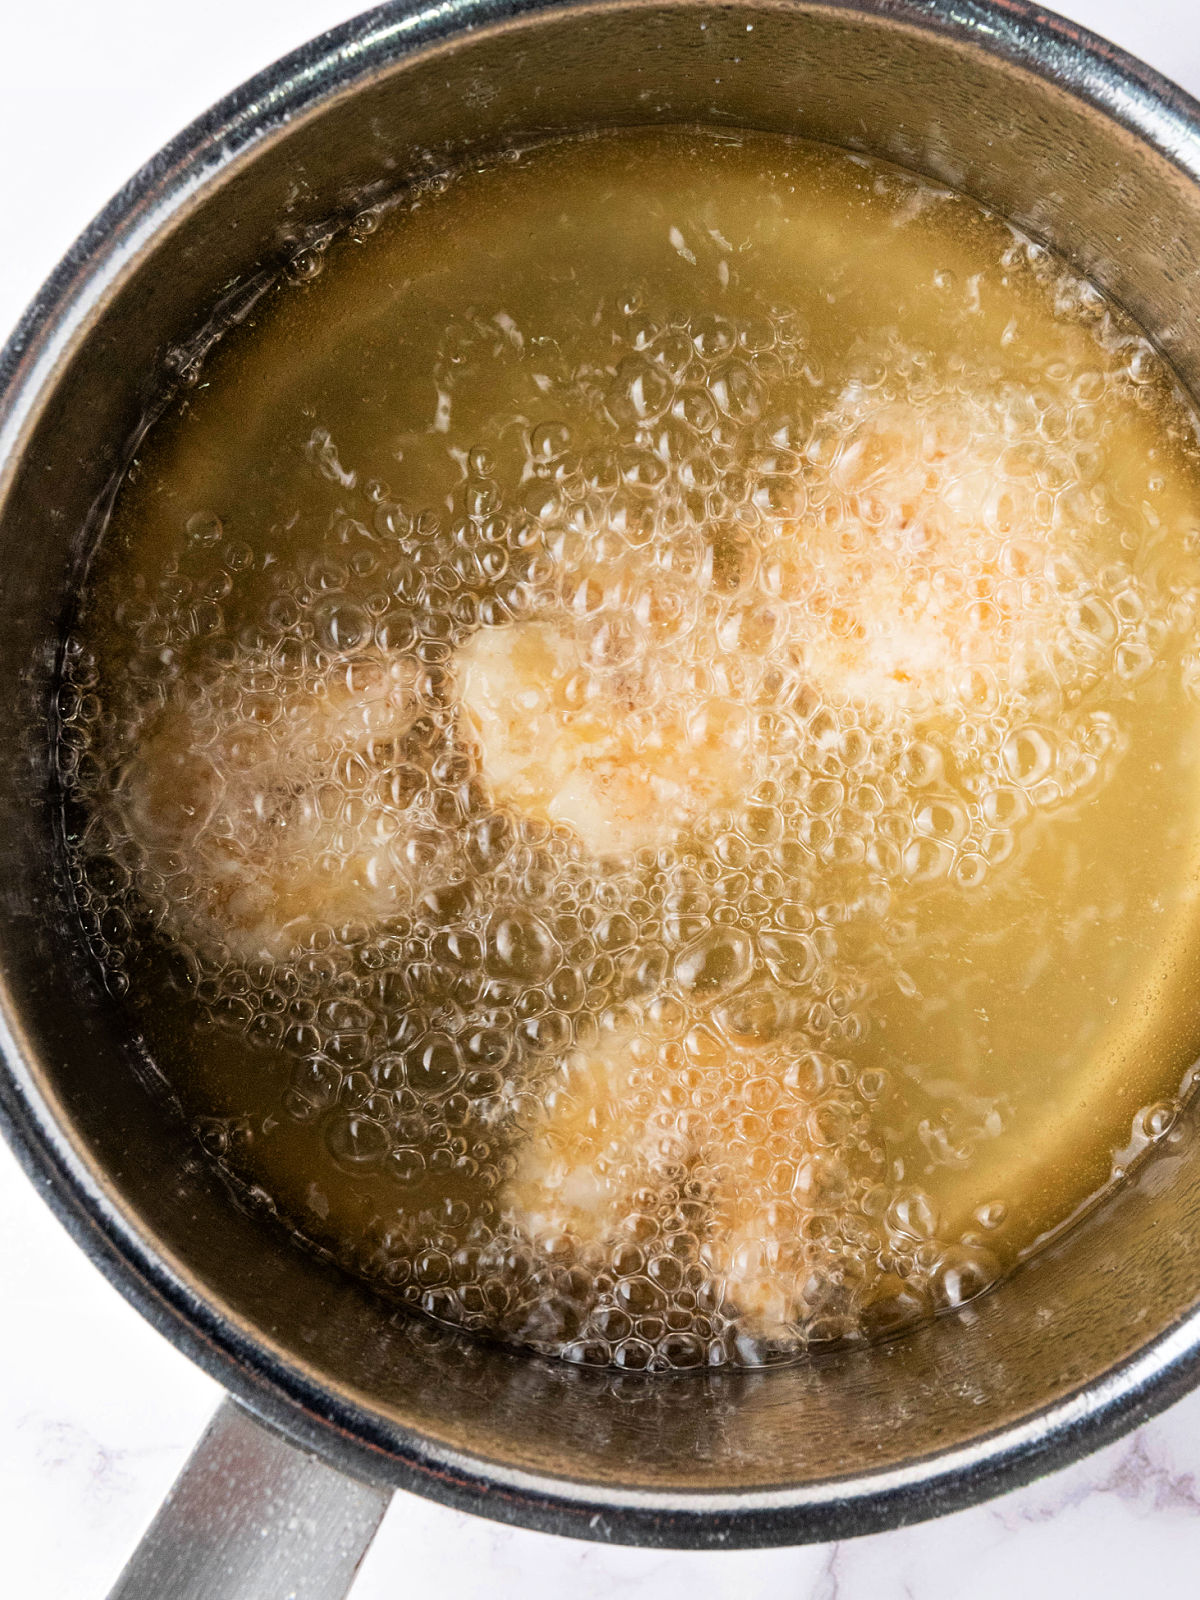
(97, 1411)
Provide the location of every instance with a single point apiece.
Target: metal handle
(251, 1517)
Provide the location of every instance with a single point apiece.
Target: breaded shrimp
(927, 567)
(918, 571)
(606, 1132)
(258, 807)
(637, 1115)
(626, 746)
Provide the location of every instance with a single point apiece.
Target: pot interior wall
(1030, 150)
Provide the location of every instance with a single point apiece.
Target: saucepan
(339, 1398)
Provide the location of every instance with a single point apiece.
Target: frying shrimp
(623, 744)
(926, 570)
(637, 1121)
(256, 807)
(917, 570)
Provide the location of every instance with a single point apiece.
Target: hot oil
(632, 747)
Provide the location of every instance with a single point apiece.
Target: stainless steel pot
(1076, 142)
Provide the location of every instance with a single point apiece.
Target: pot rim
(287, 1396)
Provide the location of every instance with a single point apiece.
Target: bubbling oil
(632, 747)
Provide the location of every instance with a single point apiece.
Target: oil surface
(631, 744)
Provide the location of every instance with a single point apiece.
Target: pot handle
(252, 1517)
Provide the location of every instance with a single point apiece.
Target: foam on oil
(632, 747)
